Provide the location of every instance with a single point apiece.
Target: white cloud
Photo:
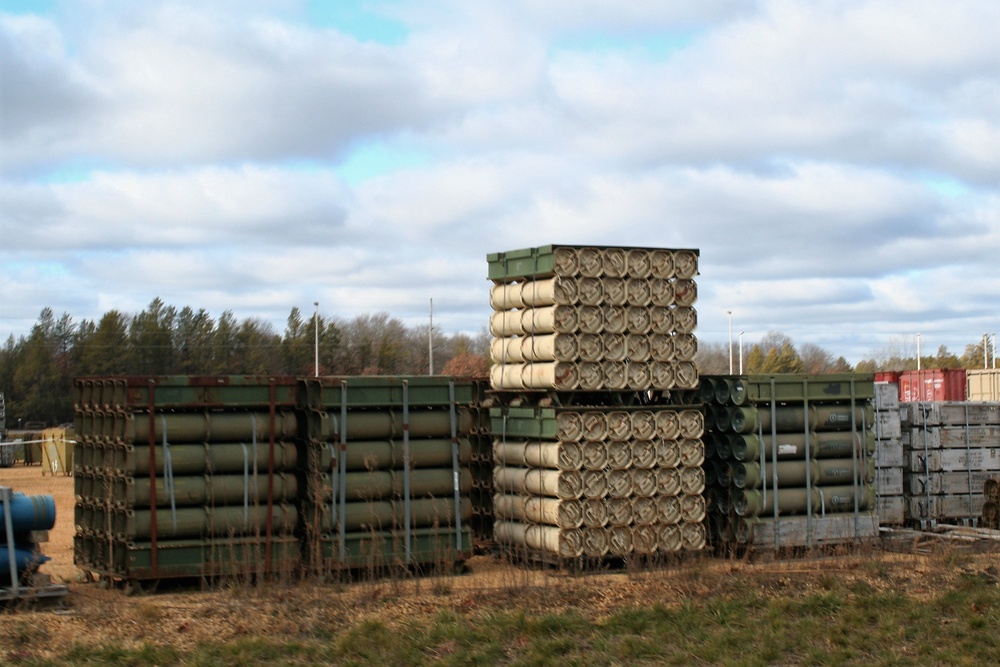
(190, 152)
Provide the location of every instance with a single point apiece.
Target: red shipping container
(932, 385)
(887, 376)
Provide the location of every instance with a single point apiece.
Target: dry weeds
(93, 615)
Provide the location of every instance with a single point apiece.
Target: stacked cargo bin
(388, 478)
(951, 449)
(598, 482)
(789, 460)
(593, 319)
(186, 477)
(587, 466)
(888, 456)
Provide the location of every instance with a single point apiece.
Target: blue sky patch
(654, 47)
(370, 160)
(358, 18)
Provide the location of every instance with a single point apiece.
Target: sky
(835, 162)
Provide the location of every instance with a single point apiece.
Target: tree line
(37, 370)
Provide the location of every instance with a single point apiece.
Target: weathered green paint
(789, 418)
(790, 446)
(824, 499)
(751, 475)
(326, 393)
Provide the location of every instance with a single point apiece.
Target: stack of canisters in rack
(481, 466)
(888, 456)
(186, 477)
(951, 450)
(388, 480)
(598, 482)
(593, 319)
(789, 460)
(586, 465)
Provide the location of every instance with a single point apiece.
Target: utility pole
(316, 342)
(430, 342)
(730, 313)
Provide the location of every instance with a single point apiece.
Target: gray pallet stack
(950, 450)
(889, 456)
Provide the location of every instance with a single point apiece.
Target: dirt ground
(92, 613)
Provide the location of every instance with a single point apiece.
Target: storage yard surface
(832, 588)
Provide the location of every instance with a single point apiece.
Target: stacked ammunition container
(586, 466)
(789, 460)
(388, 480)
(951, 449)
(593, 319)
(186, 477)
(888, 456)
(598, 482)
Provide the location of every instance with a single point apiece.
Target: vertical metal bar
(968, 459)
(927, 461)
(456, 476)
(774, 462)
(407, 523)
(8, 522)
(342, 468)
(807, 427)
(153, 540)
(855, 482)
(272, 391)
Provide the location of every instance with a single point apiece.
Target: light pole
(316, 342)
(918, 351)
(741, 353)
(730, 314)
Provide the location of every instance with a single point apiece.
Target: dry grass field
(438, 619)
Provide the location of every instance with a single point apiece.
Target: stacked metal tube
(186, 477)
(598, 482)
(388, 477)
(789, 460)
(588, 463)
(593, 319)
(951, 449)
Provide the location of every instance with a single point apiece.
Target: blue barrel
(28, 513)
(27, 558)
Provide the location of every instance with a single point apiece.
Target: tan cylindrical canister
(669, 538)
(590, 346)
(685, 292)
(595, 455)
(685, 320)
(595, 513)
(591, 262)
(506, 296)
(644, 482)
(595, 542)
(668, 453)
(615, 378)
(643, 425)
(640, 292)
(668, 510)
(661, 320)
(639, 263)
(661, 263)
(685, 347)
(668, 424)
(562, 513)
(619, 510)
(615, 346)
(549, 292)
(540, 454)
(595, 426)
(663, 375)
(590, 291)
(591, 377)
(644, 539)
(615, 293)
(661, 292)
(565, 261)
(506, 323)
(639, 347)
(559, 541)
(550, 319)
(538, 482)
(614, 319)
(685, 264)
(615, 262)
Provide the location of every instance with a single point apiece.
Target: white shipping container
(954, 460)
(983, 384)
